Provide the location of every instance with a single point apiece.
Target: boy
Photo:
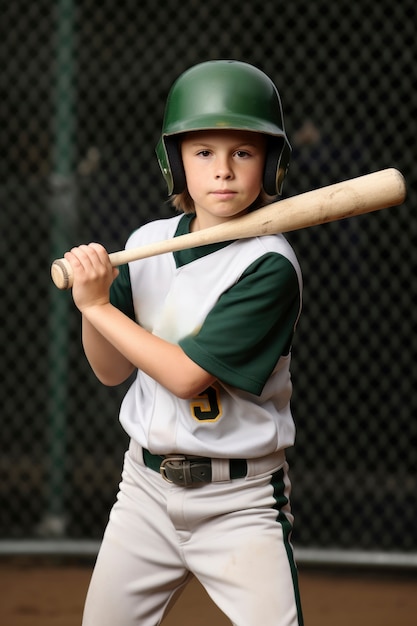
(205, 488)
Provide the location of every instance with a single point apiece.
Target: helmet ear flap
(283, 166)
(170, 162)
(276, 164)
(173, 151)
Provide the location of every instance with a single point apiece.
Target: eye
(203, 153)
(242, 154)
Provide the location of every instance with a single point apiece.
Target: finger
(102, 255)
(88, 257)
(85, 263)
(99, 250)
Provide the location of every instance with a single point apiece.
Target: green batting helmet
(230, 95)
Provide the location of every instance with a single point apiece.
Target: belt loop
(267, 464)
(220, 470)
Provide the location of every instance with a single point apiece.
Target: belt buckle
(170, 459)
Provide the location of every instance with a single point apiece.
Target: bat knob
(61, 273)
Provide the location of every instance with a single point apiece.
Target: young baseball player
(208, 331)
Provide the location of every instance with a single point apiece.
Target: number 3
(207, 408)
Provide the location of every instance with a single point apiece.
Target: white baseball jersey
(233, 308)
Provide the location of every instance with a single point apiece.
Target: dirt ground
(51, 594)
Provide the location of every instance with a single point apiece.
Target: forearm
(163, 361)
(115, 345)
(109, 365)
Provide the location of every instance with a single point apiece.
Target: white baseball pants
(233, 536)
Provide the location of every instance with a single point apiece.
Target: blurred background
(83, 89)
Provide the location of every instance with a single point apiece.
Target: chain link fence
(84, 85)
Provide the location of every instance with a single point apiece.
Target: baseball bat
(364, 194)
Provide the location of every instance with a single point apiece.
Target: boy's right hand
(93, 275)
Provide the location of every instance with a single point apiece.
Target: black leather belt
(189, 470)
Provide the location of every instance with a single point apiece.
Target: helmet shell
(223, 95)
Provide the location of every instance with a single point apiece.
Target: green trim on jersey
(251, 326)
(183, 257)
(121, 292)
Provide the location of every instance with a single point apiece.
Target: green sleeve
(121, 292)
(251, 325)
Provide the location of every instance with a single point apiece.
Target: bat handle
(62, 274)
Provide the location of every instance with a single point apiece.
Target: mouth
(223, 193)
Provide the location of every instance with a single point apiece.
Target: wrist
(94, 310)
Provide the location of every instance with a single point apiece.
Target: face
(224, 172)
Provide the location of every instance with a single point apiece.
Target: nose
(223, 169)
